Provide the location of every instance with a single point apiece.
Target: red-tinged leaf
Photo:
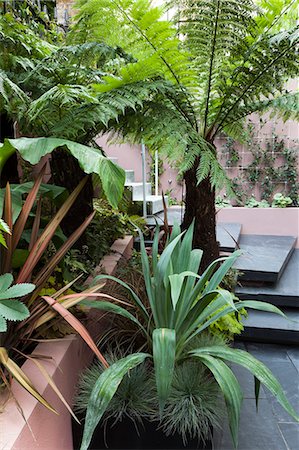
(22, 378)
(68, 302)
(36, 225)
(77, 325)
(7, 252)
(43, 241)
(50, 381)
(43, 275)
(26, 209)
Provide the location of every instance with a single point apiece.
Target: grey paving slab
(269, 352)
(287, 375)
(293, 354)
(290, 432)
(258, 431)
(174, 214)
(228, 235)
(264, 257)
(272, 321)
(271, 428)
(246, 381)
(285, 292)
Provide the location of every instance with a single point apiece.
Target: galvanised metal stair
(134, 190)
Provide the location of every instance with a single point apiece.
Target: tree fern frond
(268, 66)
(153, 42)
(12, 98)
(212, 30)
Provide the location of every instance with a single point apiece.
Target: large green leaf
(230, 388)
(135, 297)
(90, 159)
(164, 346)
(256, 367)
(13, 310)
(103, 391)
(17, 290)
(3, 324)
(6, 280)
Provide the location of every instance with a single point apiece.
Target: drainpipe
(143, 178)
(156, 173)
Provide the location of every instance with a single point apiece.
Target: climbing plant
(272, 169)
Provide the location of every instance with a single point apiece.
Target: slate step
(130, 176)
(136, 190)
(228, 235)
(154, 204)
(284, 293)
(261, 326)
(264, 257)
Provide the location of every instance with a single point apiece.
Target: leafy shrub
(108, 225)
(253, 203)
(281, 201)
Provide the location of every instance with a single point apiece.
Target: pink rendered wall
(271, 221)
(129, 158)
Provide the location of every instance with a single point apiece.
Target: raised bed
(69, 356)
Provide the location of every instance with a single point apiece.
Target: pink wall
(129, 157)
(271, 221)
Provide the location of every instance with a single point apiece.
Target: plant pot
(124, 435)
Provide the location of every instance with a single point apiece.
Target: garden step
(130, 176)
(264, 257)
(228, 234)
(262, 326)
(136, 190)
(154, 203)
(284, 293)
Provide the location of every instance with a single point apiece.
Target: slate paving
(264, 257)
(283, 293)
(271, 428)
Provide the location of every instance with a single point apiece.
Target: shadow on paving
(271, 428)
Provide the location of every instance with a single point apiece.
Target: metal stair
(134, 189)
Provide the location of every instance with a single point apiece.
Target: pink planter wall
(69, 357)
(272, 221)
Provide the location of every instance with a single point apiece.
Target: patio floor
(271, 428)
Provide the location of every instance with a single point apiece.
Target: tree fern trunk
(66, 172)
(200, 204)
(10, 171)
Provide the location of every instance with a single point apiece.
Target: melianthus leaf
(13, 310)
(17, 290)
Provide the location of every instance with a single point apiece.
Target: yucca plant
(180, 306)
(30, 312)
